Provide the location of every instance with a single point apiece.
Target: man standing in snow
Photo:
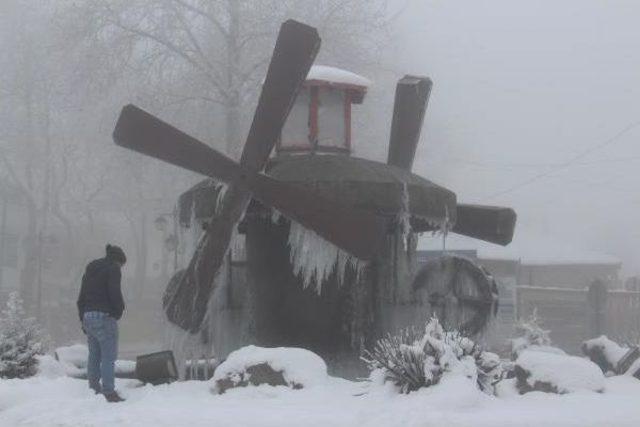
(100, 306)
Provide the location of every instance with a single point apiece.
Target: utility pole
(39, 279)
(3, 234)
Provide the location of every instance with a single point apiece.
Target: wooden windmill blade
(350, 229)
(489, 223)
(140, 131)
(493, 224)
(186, 298)
(412, 96)
(295, 50)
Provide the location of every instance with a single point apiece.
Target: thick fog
(535, 106)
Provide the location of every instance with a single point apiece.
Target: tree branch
(205, 15)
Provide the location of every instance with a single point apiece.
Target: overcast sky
(535, 105)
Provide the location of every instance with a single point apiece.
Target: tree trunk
(29, 271)
(232, 104)
(30, 266)
(140, 236)
(3, 231)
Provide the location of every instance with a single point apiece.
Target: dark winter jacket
(100, 290)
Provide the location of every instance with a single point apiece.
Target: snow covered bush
(531, 336)
(21, 340)
(414, 359)
(291, 367)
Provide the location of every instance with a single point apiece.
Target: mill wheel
(459, 292)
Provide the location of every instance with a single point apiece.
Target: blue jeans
(102, 337)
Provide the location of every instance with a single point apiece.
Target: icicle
(444, 229)
(275, 216)
(187, 346)
(314, 259)
(404, 215)
(182, 343)
(222, 190)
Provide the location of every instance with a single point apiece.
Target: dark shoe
(113, 397)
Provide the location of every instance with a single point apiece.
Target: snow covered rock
(73, 360)
(555, 373)
(541, 348)
(50, 367)
(607, 354)
(292, 367)
(76, 354)
(506, 388)
(634, 366)
(125, 368)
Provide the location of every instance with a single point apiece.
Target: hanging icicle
(314, 259)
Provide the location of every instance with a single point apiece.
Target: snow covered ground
(51, 399)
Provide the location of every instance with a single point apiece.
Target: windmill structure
(329, 237)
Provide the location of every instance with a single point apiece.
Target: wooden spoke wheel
(459, 292)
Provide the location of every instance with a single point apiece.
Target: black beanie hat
(116, 253)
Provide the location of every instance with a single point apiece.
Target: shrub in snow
(490, 371)
(556, 373)
(292, 367)
(531, 336)
(413, 359)
(21, 340)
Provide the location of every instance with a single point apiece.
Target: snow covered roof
(528, 247)
(336, 75)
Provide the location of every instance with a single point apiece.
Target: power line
(566, 164)
(518, 166)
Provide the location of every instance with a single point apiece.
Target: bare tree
(68, 67)
(213, 52)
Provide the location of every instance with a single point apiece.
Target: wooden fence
(575, 315)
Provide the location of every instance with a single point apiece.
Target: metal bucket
(156, 368)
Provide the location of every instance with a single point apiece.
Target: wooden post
(597, 299)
